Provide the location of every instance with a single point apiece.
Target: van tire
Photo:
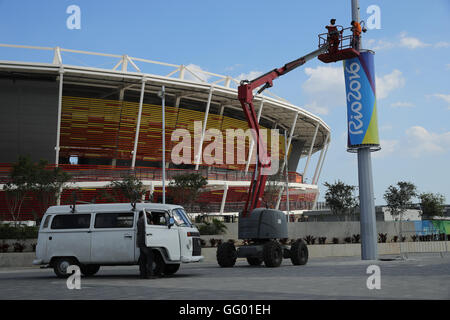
(60, 266)
(170, 269)
(89, 270)
(159, 265)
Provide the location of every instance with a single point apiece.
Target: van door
(158, 234)
(70, 236)
(113, 238)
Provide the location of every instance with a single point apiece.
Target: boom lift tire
(299, 253)
(272, 254)
(226, 255)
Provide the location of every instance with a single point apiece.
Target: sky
(246, 38)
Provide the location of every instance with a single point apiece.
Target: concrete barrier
(25, 259)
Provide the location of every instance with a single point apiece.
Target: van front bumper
(185, 259)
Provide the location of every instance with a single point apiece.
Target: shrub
(414, 238)
(202, 242)
(322, 240)
(348, 240)
(335, 240)
(214, 228)
(18, 247)
(19, 232)
(395, 238)
(4, 247)
(310, 239)
(356, 238)
(212, 242)
(382, 237)
(33, 247)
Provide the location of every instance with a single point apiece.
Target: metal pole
(224, 198)
(58, 125)
(323, 160)
(369, 245)
(310, 151)
(320, 159)
(138, 125)
(163, 105)
(205, 121)
(287, 177)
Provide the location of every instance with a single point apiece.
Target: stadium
(99, 117)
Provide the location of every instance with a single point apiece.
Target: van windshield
(181, 218)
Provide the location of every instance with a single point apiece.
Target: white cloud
(445, 97)
(388, 83)
(388, 147)
(402, 104)
(198, 71)
(411, 42)
(316, 109)
(378, 44)
(248, 76)
(442, 44)
(422, 142)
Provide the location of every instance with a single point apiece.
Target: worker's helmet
(332, 21)
(353, 21)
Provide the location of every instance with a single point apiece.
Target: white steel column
(138, 125)
(205, 121)
(279, 197)
(290, 140)
(224, 198)
(310, 151)
(320, 159)
(252, 143)
(163, 107)
(323, 160)
(58, 125)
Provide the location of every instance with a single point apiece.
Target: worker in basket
(356, 29)
(333, 36)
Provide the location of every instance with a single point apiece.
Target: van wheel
(171, 269)
(89, 269)
(60, 266)
(158, 264)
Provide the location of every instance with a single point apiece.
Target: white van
(94, 235)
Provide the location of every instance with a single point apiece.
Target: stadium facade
(85, 119)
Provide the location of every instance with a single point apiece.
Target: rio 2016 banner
(362, 117)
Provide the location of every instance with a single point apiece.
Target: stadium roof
(181, 81)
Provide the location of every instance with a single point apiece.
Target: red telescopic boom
(245, 96)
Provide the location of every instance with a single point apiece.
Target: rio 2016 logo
(356, 123)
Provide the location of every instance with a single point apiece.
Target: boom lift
(260, 227)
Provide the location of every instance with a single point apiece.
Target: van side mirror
(171, 222)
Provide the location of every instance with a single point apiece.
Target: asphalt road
(425, 276)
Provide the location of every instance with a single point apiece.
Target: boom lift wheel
(254, 261)
(226, 255)
(299, 253)
(272, 254)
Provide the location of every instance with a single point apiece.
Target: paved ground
(425, 276)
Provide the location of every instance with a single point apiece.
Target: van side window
(71, 221)
(114, 220)
(47, 220)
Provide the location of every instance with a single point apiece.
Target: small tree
(130, 187)
(339, 197)
(19, 185)
(47, 185)
(432, 204)
(185, 188)
(399, 199)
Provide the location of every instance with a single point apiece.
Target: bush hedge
(19, 233)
